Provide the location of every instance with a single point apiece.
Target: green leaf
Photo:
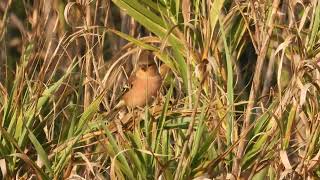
(230, 93)
(215, 10)
(41, 152)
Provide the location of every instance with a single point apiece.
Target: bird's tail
(120, 104)
(103, 110)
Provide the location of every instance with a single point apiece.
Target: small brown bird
(146, 82)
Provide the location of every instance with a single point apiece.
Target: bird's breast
(143, 91)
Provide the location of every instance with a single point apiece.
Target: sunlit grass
(239, 97)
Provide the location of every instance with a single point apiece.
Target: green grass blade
(230, 93)
(41, 152)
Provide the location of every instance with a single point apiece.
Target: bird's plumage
(146, 82)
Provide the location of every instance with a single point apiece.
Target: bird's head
(146, 58)
(145, 71)
(146, 65)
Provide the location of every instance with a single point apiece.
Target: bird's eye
(144, 67)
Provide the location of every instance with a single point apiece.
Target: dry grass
(239, 99)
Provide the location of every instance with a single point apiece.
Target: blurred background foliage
(239, 100)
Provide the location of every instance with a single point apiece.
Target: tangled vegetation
(239, 97)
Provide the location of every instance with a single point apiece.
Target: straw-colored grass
(239, 97)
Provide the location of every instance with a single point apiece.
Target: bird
(145, 83)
